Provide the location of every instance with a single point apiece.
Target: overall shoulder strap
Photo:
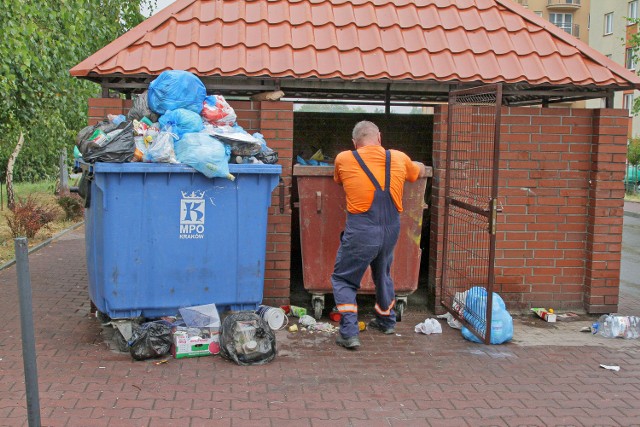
(366, 170)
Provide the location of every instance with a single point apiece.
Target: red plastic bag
(217, 111)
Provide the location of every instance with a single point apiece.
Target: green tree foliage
(633, 152)
(41, 41)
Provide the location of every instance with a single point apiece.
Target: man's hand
(423, 169)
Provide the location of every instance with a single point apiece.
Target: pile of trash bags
(175, 121)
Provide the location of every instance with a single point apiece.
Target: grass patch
(43, 193)
(631, 197)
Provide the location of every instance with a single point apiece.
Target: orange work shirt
(357, 185)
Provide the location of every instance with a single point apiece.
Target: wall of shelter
(561, 189)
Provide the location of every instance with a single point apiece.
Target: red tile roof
(421, 40)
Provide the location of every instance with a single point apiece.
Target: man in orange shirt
(373, 180)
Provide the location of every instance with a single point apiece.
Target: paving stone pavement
(550, 375)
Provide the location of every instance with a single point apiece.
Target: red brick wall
(561, 189)
(275, 121)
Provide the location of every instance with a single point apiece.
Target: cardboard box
(544, 314)
(186, 344)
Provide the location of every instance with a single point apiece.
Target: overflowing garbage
(317, 159)
(175, 121)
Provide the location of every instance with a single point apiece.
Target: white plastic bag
(428, 327)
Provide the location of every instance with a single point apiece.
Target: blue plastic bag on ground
(176, 89)
(501, 320)
(205, 154)
(181, 121)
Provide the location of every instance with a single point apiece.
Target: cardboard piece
(187, 344)
(544, 314)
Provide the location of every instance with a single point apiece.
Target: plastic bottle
(618, 326)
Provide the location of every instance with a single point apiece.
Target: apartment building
(570, 15)
(610, 33)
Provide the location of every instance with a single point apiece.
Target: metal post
(28, 337)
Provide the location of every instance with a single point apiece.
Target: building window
(608, 23)
(633, 10)
(538, 12)
(627, 103)
(630, 59)
(562, 20)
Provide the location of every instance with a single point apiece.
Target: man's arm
(423, 169)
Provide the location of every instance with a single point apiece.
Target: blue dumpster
(163, 236)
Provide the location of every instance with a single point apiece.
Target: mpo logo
(192, 215)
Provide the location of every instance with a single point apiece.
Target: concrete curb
(633, 214)
(43, 244)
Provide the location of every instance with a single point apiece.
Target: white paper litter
(611, 367)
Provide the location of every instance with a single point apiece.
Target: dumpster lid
(137, 167)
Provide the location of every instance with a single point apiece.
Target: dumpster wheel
(317, 302)
(401, 304)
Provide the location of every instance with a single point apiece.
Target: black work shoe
(375, 324)
(350, 343)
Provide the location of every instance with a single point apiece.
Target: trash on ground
(617, 326)
(293, 328)
(362, 326)
(307, 320)
(274, 316)
(246, 339)
(428, 327)
(611, 367)
(476, 308)
(150, 340)
(197, 333)
(566, 317)
(323, 327)
(451, 321)
(297, 311)
(544, 314)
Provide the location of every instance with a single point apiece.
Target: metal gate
(471, 191)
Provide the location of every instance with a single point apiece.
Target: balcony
(574, 29)
(563, 4)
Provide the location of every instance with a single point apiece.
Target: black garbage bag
(246, 339)
(150, 340)
(107, 142)
(141, 109)
(267, 156)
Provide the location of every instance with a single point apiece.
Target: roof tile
(442, 40)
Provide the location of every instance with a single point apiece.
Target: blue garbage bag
(181, 121)
(176, 89)
(501, 320)
(205, 154)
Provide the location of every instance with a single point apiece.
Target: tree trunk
(12, 160)
(63, 187)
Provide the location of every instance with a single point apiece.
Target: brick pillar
(436, 229)
(276, 124)
(605, 210)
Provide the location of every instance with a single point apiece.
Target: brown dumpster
(322, 208)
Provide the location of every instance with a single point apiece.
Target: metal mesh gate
(473, 136)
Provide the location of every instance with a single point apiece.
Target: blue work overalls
(369, 239)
